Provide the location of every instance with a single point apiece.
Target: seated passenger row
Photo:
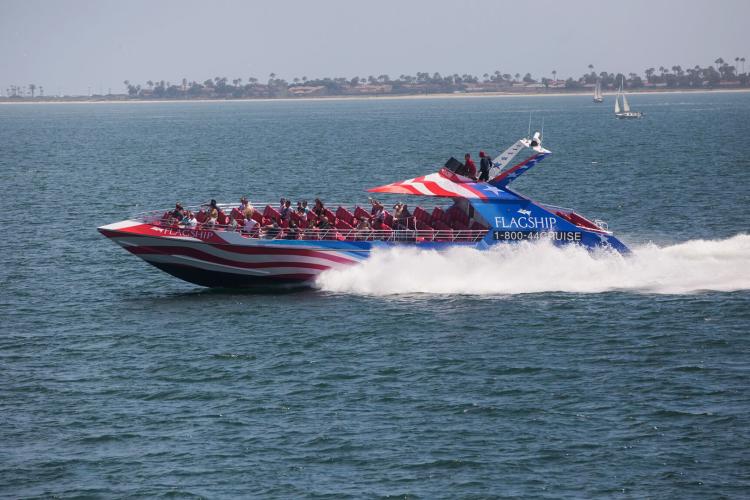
(320, 217)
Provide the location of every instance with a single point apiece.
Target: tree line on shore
(721, 73)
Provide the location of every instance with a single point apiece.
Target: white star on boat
(492, 189)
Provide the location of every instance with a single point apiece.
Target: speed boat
(294, 250)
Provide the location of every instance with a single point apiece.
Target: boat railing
(404, 233)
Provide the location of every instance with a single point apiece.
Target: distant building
(306, 91)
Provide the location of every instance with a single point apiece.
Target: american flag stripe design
(516, 170)
(433, 185)
(263, 261)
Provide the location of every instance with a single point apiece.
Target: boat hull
(227, 259)
(629, 114)
(230, 259)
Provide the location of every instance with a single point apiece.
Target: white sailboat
(625, 112)
(598, 97)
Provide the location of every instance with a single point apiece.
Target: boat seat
(361, 212)
(222, 219)
(271, 213)
(424, 227)
(443, 231)
(459, 225)
(421, 215)
(437, 216)
(388, 219)
(257, 216)
(345, 215)
(341, 224)
(331, 216)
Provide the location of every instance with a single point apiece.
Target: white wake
(692, 266)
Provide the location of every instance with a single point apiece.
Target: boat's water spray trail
(692, 266)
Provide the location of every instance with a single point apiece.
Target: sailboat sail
(617, 104)
(598, 91)
(625, 105)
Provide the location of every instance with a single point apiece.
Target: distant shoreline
(465, 95)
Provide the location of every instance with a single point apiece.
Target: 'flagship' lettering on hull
(525, 222)
(193, 233)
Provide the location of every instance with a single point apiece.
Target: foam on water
(692, 266)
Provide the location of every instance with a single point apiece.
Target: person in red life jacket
(485, 164)
(471, 168)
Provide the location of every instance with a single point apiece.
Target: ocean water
(526, 371)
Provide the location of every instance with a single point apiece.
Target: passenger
(271, 231)
(318, 208)
(377, 207)
(401, 215)
(188, 219)
(323, 223)
(305, 208)
(471, 168)
(485, 164)
(363, 223)
(249, 211)
(292, 232)
(378, 214)
(212, 214)
(250, 225)
(300, 209)
(244, 205)
(178, 213)
(282, 202)
(286, 210)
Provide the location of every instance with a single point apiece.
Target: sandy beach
(549, 93)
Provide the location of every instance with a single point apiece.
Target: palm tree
(742, 60)
(41, 91)
(554, 75)
(32, 88)
(517, 76)
(718, 63)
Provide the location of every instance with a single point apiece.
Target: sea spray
(688, 267)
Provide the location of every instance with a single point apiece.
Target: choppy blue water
(529, 371)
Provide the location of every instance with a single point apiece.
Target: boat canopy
(449, 184)
(446, 184)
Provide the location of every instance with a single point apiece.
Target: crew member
(471, 168)
(485, 164)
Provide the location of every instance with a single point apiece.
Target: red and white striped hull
(229, 259)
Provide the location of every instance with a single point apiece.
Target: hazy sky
(70, 46)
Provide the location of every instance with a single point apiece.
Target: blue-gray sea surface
(529, 372)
